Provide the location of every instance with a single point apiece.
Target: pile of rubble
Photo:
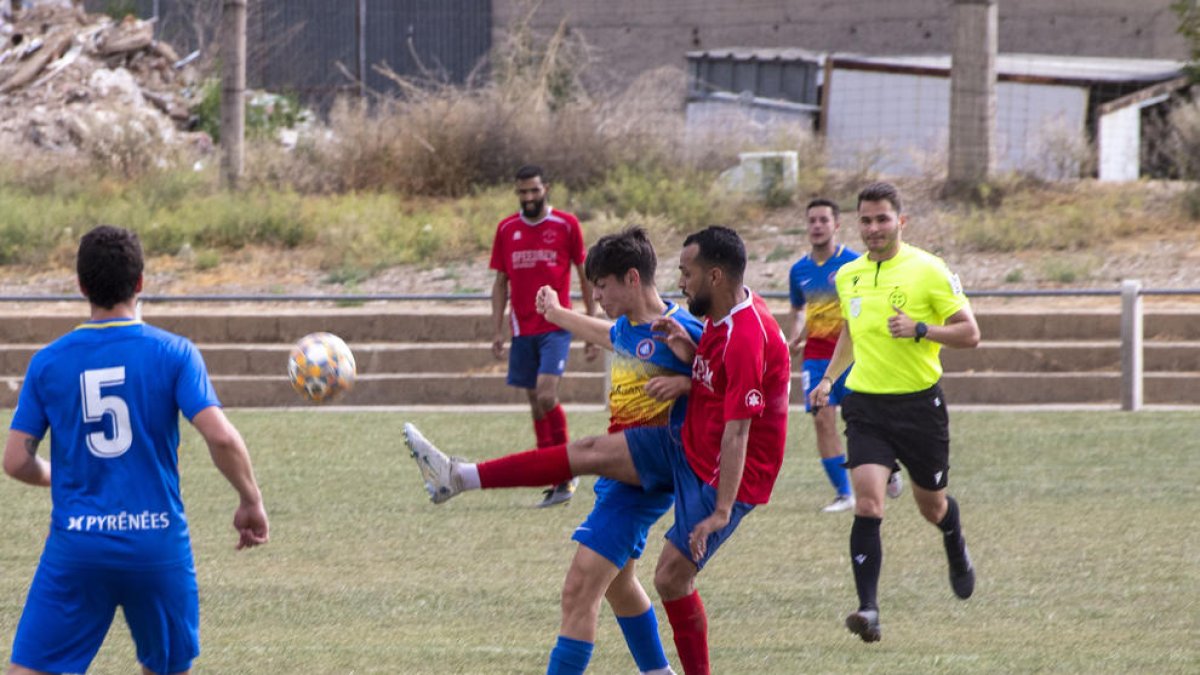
(67, 77)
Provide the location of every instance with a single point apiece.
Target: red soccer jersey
(534, 255)
(742, 370)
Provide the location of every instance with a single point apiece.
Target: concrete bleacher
(408, 356)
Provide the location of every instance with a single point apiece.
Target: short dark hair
(821, 201)
(722, 247)
(109, 265)
(531, 171)
(616, 254)
(881, 192)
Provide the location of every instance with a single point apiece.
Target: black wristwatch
(921, 329)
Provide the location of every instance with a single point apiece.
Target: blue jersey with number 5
(110, 393)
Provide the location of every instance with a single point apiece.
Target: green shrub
(685, 200)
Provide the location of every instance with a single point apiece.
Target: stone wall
(632, 36)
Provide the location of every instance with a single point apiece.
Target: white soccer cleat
(839, 504)
(895, 486)
(559, 494)
(437, 470)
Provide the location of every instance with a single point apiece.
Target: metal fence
(297, 46)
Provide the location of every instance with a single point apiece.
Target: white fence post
(1131, 344)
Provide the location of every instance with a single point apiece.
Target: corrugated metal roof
(757, 54)
(1034, 66)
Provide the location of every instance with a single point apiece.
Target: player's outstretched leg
(437, 470)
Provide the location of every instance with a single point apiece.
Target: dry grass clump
(1062, 217)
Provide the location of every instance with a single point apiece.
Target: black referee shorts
(912, 428)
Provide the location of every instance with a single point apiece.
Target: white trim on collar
(738, 307)
(549, 212)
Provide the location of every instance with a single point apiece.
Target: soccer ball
(321, 367)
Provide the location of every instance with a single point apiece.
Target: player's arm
(499, 302)
(589, 304)
(798, 335)
(21, 460)
(585, 287)
(588, 328)
(668, 387)
(231, 458)
(670, 331)
(733, 462)
(843, 357)
(960, 330)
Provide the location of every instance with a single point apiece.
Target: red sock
(556, 421)
(532, 468)
(689, 624)
(543, 433)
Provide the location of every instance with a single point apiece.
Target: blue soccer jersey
(110, 393)
(638, 357)
(621, 518)
(811, 285)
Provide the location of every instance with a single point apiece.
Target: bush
(1054, 218)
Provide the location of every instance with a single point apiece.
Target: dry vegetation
(387, 189)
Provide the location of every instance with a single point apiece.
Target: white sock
(469, 473)
(660, 671)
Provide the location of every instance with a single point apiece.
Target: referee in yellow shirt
(901, 305)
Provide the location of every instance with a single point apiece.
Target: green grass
(1080, 525)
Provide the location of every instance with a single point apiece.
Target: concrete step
(465, 357)
(1006, 388)
(410, 358)
(426, 389)
(365, 324)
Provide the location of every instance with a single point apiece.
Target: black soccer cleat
(865, 624)
(962, 572)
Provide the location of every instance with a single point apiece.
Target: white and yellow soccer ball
(321, 367)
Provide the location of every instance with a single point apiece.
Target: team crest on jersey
(754, 398)
(644, 349)
(702, 372)
(898, 298)
(855, 307)
(517, 235)
(549, 236)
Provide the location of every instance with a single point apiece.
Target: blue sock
(569, 657)
(641, 634)
(837, 474)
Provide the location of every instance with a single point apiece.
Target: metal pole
(233, 92)
(360, 37)
(1131, 345)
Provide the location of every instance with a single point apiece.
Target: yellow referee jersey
(915, 281)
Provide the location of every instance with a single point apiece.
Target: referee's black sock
(866, 557)
(952, 530)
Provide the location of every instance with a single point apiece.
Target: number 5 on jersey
(96, 406)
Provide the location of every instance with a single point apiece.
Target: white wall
(903, 121)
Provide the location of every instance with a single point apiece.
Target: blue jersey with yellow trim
(110, 393)
(638, 357)
(812, 285)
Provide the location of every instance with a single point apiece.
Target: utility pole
(233, 92)
(972, 93)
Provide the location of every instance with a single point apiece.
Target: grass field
(1081, 525)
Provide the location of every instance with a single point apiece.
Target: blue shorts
(68, 613)
(533, 355)
(620, 520)
(814, 370)
(661, 465)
